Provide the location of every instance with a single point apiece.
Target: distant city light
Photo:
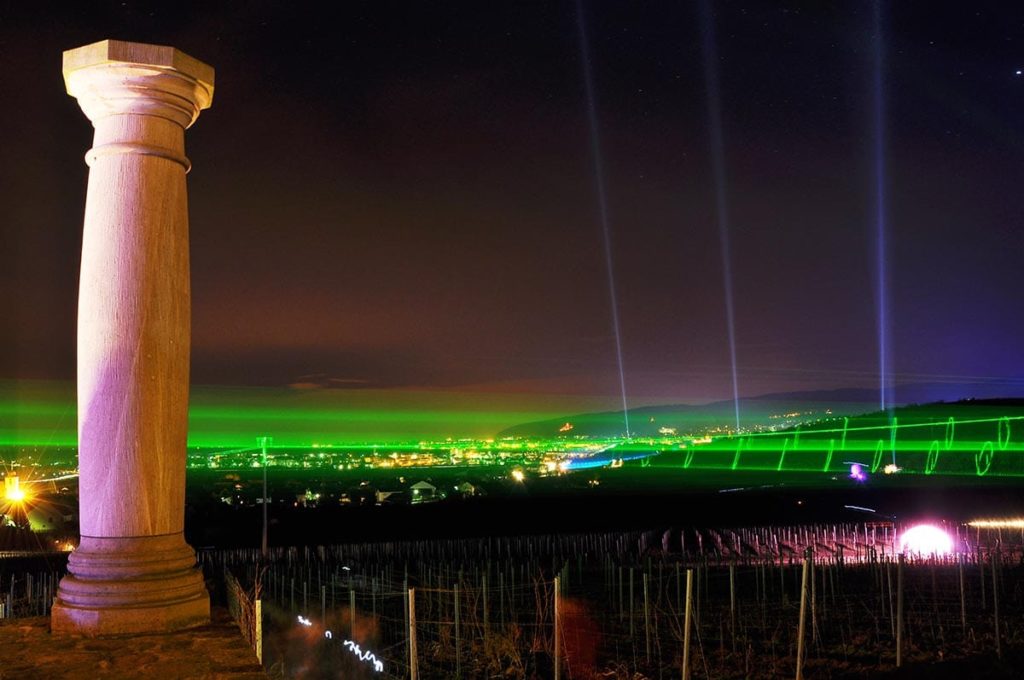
(926, 539)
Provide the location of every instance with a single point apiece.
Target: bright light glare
(518, 475)
(997, 523)
(14, 492)
(926, 539)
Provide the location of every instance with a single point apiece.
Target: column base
(130, 585)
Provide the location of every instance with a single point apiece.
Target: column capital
(113, 77)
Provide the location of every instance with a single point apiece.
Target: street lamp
(264, 442)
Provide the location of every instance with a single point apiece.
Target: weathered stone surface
(215, 651)
(113, 77)
(133, 571)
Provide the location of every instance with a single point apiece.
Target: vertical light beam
(885, 396)
(714, 108)
(602, 201)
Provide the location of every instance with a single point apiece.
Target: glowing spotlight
(857, 473)
(13, 491)
(518, 475)
(926, 539)
(891, 469)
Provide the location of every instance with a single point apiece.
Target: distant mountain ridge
(782, 409)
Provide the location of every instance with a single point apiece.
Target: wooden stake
(458, 636)
(732, 604)
(803, 620)
(558, 632)
(687, 622)
(647, 622)
(899, 612)
(413, 669)
(995, 606)
(963, 597)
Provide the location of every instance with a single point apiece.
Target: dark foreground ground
(211, 652)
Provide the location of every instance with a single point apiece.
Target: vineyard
(615, 605)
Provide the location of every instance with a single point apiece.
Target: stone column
(133, 571)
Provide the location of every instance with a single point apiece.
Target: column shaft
(132, 571)
(133, 332)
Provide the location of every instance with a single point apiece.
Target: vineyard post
(899, 612)
(352, 612)
(732, 604)
(803, 620)
(501, 596)
(888, 587)
(631, 605)
(259, 631)
(458, 635)
(621, 608)
(963, 600)
(687, 623)
(995, 605)
(814, 599)
(405, 608)
(981, 576)
(413, 671)
(558, 632)
(784, 597)
(647, 622)
(487, 625)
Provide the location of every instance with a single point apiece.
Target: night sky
(403, 194)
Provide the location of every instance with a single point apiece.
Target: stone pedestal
(133, 571)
